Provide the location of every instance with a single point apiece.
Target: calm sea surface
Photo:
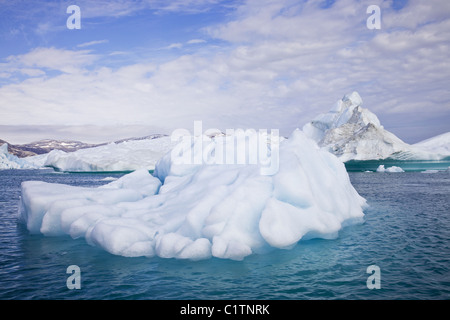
(406, 234)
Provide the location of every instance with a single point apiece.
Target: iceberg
(381, 168)
(439, 144)
(10, 161)
(124, 156)
(430, 171)
(352, 132)
(199, 211)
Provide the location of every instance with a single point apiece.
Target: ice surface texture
(381, 168)
(438, 144)
(352, 132)
(10, 161)
(124, 156)
(202, 211)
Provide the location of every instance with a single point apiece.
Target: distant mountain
(10, 161)
(17, 150)
(47, 145)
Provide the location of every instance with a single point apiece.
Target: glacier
(10, 161)
(352, 132)
(439, 144)
(124, 156)
(199, 211)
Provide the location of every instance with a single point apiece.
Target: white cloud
(32, 72)
(283, 63)
(417, 13)
(107, 8)
(196, 41)
(119, 8)
(43, 28)
(189, 6)
(67, 61)
(177, 45)
(91, 43)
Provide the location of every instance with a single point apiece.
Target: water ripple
(406, 232)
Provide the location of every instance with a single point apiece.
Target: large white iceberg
(10, 161)
(439, 144)
(125, 156)
(204, 210)
(352, 132)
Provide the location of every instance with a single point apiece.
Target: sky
(138, 67)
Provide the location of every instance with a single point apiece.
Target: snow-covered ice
(125, 156)
(381, 168)
(10, 161)
(109, 179)
(200, 211)
(430, 171)
(352, 132)
(438, 144)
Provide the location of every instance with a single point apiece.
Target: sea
(400, 252)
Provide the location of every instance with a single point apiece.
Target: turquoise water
(409, 165)
(406, 233)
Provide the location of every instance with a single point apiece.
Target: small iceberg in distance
(381, 168)
(195, 212)
(109, 179)
(430, 171)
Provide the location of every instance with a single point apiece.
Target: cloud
(271, 64)
(418, 13)
(21, 134)
(196, 41)
(32, 72)
(67, 61)
(177, 45)
(328, 50)
(43, 28)
(186, 6)
(45, 18)
(91, 43)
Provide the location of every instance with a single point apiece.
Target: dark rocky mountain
(45, 146)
